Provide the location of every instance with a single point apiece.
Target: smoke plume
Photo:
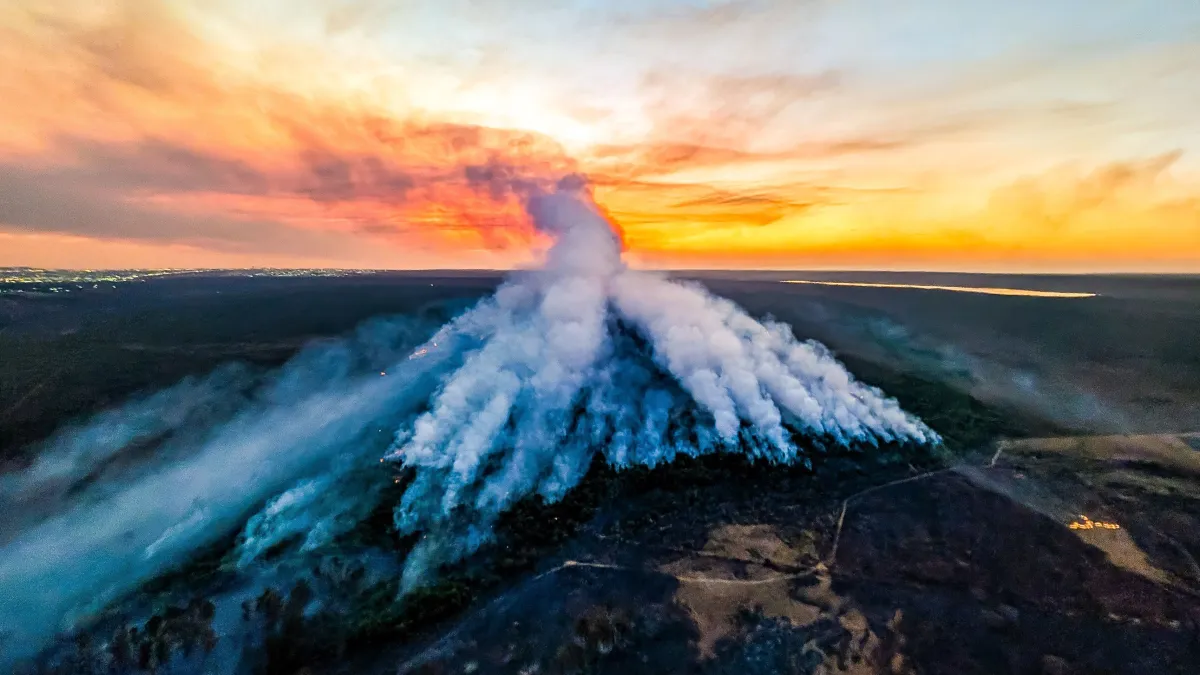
(586, 356)
(515, 397)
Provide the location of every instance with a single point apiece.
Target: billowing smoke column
(515, 397)
(585, 357)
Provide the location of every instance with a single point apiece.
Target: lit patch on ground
(1085, 523)
(419, 353)
(960, 289)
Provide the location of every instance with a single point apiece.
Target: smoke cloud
(515, 397)
(557, 378)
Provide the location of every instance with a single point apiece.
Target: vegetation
(178, 633)
(336, 609)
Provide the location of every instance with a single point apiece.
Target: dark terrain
(972, 570)
(64, 355)
(873, 562)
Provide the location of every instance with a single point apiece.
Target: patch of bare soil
(1053, 556)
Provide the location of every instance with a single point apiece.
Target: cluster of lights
(1086, 523)
(33, 275)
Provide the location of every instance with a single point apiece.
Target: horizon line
(726, 270)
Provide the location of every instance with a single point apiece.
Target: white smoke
(82, 455)
(550, 386)
(580, 358)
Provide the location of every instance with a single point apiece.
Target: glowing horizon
(985, 290)
(730, 134)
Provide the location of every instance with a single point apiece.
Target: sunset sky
(975, 135)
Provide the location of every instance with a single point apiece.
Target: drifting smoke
(115, 529)
(1041, 387)
(513, 398)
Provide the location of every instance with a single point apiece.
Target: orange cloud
(129, 126)
(143, 125)
(1125, 216)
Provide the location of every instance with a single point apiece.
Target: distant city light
(33, 279)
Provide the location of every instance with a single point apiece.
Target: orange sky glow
(180, 133)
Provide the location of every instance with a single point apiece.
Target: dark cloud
(350, 154)
(501, 180)
(497, 179)
(45, 202)
(333, 178)
(159, 165)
